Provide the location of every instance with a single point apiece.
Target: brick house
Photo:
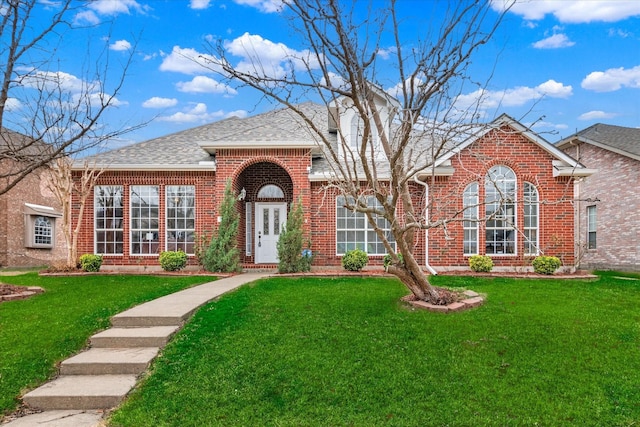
(163, 193)
(30, 233)
(608, 202)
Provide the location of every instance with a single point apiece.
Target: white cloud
(267, 6)
(199, 114)
(120, 45)
(596, 115)
(612, 79)
(573, 11)
(12, 104)
(187, 61)
(204, 84)
(386, 53)
(554, 42)
(266, 58)
(158, 102)
(87, 16)
(50, 80)
(116, 7)
(515, 97)
(199, 4)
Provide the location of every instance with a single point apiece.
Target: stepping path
(99, 378)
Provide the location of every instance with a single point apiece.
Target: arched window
(43, 231)
(531, 219)
(270, 191)
(500, 210)
(470, 224)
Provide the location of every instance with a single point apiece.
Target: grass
(345, 351)
(39, 332)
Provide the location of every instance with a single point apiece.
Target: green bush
(222, 255)
(480, 263)
(173, 260)
(546, 264)
(355, 260)
(90, 262)
(291, 255)
(386, 261)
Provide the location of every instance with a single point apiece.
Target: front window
(531, 219)
(43, 231)
(181, 218)
(470, 215)
(353, 230)
(591, 227)
(144, 219)
(109, 232)
(500, 208)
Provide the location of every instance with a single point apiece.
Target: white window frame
(592, 224)
(180, 199)
(357, 231)
(501, 187)
(111, 218)
(531, 216)
(470, 226)
(147, 237)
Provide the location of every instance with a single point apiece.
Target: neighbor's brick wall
(530, 163)
(617, 187)
(13, 253)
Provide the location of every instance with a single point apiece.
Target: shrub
(355, 260)
(173, 260)
(90, 262)
(222, 255)
(481, 263)
(386, 261)
(292, 258)
(546, 264)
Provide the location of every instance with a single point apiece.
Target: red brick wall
(617, 190)
(531, 164)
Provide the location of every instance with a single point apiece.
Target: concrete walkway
(99, 378)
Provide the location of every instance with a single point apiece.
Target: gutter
(426, 232)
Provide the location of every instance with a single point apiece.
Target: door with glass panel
(270, 217)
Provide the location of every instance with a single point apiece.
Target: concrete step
(109, 361)
(81, 392)
(133, 320)
(155, 336)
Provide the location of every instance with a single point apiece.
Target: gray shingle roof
(619, 138)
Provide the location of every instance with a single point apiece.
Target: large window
(354, 231)
(144, 219)
(531, 219)
(470, 215)
(181, 218)
(591, 227)
(500, 208)
(109, 233)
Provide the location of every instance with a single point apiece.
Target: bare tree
(341, 65)
(67, 189)
(51, 113)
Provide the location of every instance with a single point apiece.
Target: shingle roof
(620, 139)
(190, 147)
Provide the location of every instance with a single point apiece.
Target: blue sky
(561, 64)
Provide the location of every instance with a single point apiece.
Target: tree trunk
(414, 279)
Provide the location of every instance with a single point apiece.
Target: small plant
(355, 260)
(291, 255)
(546, 264)
(173, 260)
(480, 263)
(90, 262)
(386, 261)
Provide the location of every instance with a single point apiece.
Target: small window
(270, 192)
(591, 227)
(40, 226)
(531, 219)
(470, 223)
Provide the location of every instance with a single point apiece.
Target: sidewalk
(99, 378)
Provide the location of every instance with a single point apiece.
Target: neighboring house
(607, 203)
(30, 234)
(163, 194)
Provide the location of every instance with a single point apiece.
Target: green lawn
(345, 351)
(43, 330)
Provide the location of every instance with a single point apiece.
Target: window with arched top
(500, 211)
(270, 191)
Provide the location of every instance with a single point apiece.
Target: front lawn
(345, 351)
(43, 330)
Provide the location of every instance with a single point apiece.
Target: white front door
(270, 217)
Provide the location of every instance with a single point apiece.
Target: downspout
(426, 232)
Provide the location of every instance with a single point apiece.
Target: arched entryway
(266, 192)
